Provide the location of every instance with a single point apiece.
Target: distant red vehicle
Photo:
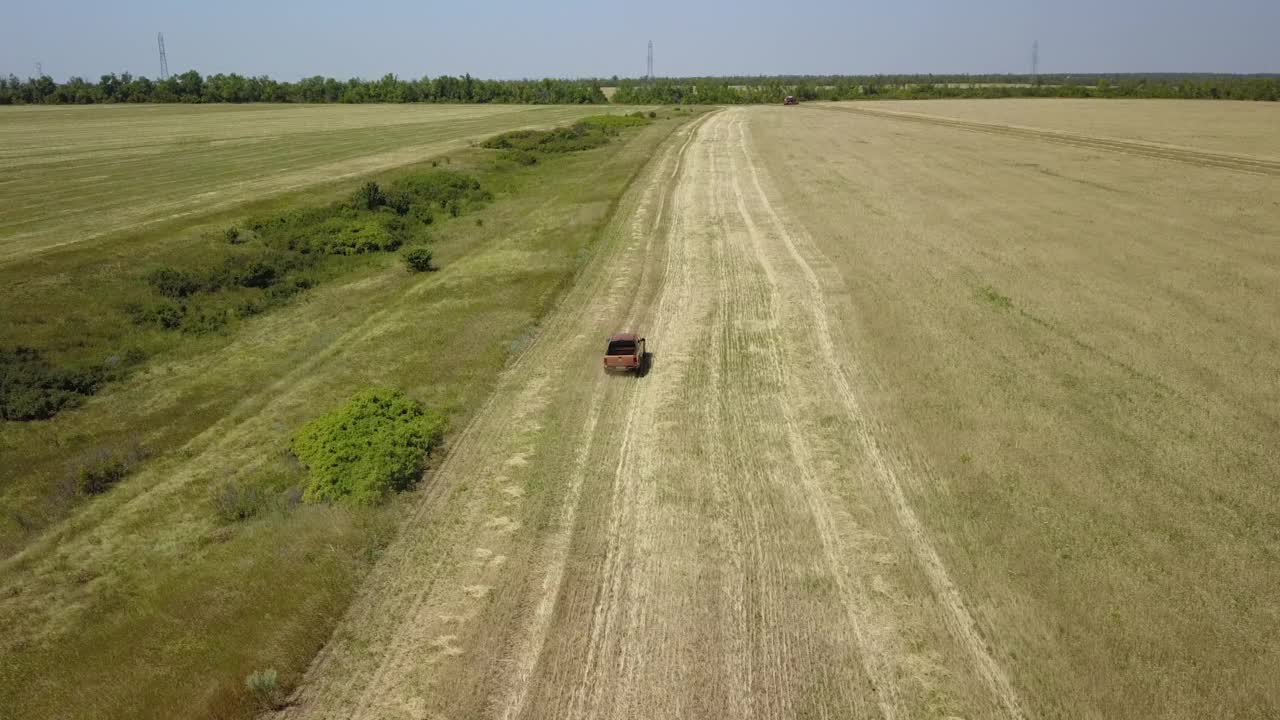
(790, 100)
(625, 353)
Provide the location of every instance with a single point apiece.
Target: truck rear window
(622, 347)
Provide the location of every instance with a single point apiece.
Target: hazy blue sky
(511, 39)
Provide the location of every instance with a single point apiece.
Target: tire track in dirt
(755, 328)
(516, 693)
(625, 610)
(855, 600)
(769, 640)
(621, 554)
(1199, 158)
(960, 620)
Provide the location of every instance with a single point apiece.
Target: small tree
(418, 259)
(369, 197)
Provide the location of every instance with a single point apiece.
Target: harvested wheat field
(77, 173)
(967, 416)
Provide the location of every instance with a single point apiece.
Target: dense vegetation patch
(32, 388)
(524, 146)
(281, 255)
(618, 122)
(263, 263)
(100, 470)
(373, 445)
(418, 259)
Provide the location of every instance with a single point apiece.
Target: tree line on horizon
(749, 90)
(192, 87)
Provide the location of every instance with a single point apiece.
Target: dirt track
(729, 536)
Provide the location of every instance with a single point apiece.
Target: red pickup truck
(625, 353)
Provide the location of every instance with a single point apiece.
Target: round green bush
(418, 259)
(373, 445)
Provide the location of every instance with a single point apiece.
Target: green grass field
(144, 601)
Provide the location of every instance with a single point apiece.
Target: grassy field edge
(196, 606)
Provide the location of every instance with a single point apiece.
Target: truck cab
(624, 353)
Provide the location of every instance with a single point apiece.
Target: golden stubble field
(70, 174)
(953, 411)
(943, 421)
(1231, 128)
(1078, 342)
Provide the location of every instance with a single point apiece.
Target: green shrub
(101, 469)
(616, 122)
(277, 294)
(575, 138)
(519, 157)
(653, 115)
(232, 235)
(397, 230)
(373, 445)
(166, 315)
(203, 320)
(292, 221)
(400, 202)
(32, 388)
(418, 259)
(234, 502)
(264, 688)
(100, 474)
(368, 197)
(249, 308)
(257, 270)
(589, 133)
(513, 139)
(175, 284)
(351, 236)
(422, 214)
(438, 187)
(258, 274)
